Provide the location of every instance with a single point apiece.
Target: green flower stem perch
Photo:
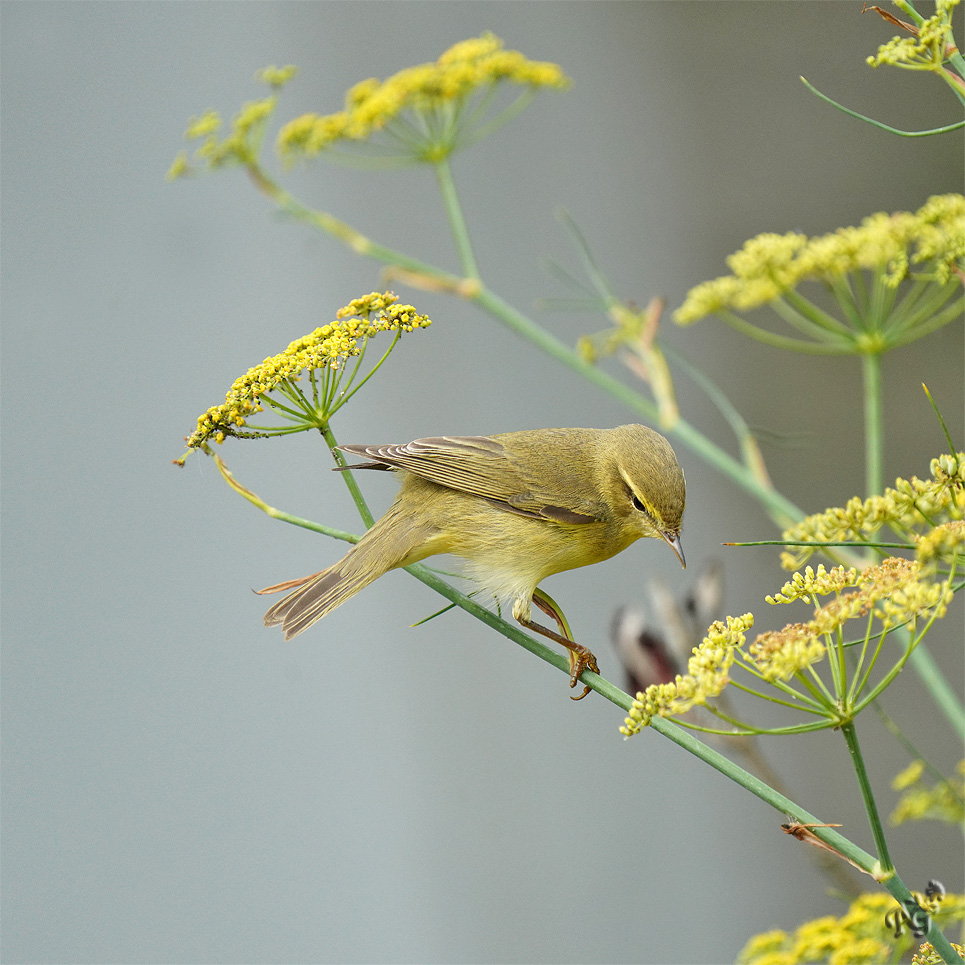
(895, 886)
(874, 472)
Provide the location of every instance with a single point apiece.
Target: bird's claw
(581, 660)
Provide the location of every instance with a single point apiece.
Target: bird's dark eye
(638, 506)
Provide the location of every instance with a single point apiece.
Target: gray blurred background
(181, 786)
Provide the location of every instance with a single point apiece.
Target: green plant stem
(685, 740)
(664, 727)
(457, 222)
(871, 808)
(829, 347)
(957, 126)
(345, 233)
(349, 479)
(874, 472)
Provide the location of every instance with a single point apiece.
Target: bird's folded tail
(315, 597)
(391, 542)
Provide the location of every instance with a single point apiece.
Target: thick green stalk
(782, 508)
(874, 460)
(666, 728)
(847, 849)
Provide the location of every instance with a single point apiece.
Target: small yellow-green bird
(517, 506)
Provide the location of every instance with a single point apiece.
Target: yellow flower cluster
(706, 676)
(244, 139)
(214, 151)
(894, 593)
(926, 954)
(892, 590)
(860, 935)
(927, 50)
(910, 507)
(943, 801)
(802, 586)
(370, 105)
(630, 327)
(780, 654)
(326, 348)
(902, 596)
(276, 77)
(942, 545)
(770, 265)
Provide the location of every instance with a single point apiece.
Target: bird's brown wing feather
(483, 467)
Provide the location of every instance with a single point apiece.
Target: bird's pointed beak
(673, 541)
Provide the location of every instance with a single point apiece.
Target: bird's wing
(483, 467)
